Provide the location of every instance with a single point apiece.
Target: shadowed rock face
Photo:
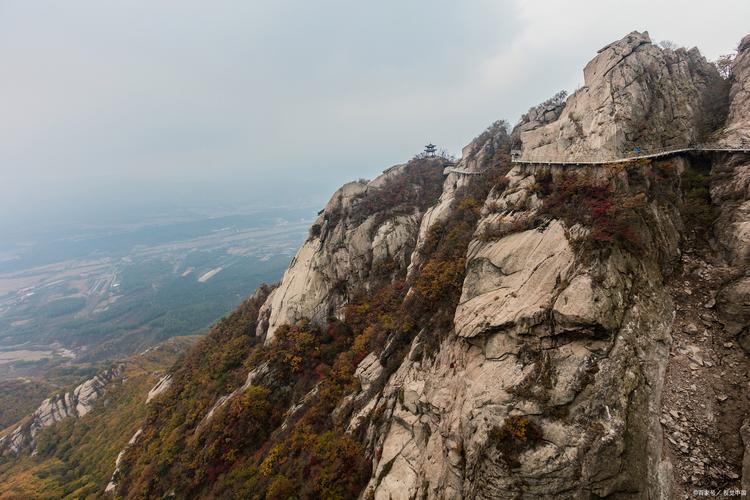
(634, 94)
(730, 190)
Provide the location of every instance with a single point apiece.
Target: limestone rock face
(540, 115)
(634, 94)
(75, 403)
(350, 242)
(734, 303)
(730, 193)
(437, 443)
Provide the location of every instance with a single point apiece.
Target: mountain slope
(74, 453)
(511, 336)
(490, 329)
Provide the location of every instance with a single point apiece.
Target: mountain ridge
(535, 331)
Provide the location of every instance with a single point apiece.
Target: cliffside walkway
(711, 148)
(460, 171)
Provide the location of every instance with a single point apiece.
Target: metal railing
(600, 159)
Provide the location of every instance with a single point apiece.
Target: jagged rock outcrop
(112, 484)
(579, 352)
(737, 130)
(634, 94)
(75, 403)
(476, 157)
(364, 229)
(509, 282)
(572, 349)
(541, 115)
(255, 375)
(730, 191)
(161, 386)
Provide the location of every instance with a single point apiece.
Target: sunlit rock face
(546, 342)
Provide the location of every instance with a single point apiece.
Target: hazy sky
(110, 105)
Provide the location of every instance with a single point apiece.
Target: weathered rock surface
(509, 282)
(475, 157)
(349, 243)
(566, 371)
(634, 94)
(730, 193)
(161, 386)
(75, 403)
(112, 484)
(579, 350)
(737, 130)
(536, 337)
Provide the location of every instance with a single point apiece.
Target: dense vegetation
(75, 457)
(610, 214)
(697, 209)
(612, 204)
(62, 307)
(19, 398)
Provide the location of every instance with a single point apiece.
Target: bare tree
(669, 45)
(556, 99)
(443, 153)
(724, 64)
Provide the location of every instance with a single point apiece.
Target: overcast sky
(118, 104)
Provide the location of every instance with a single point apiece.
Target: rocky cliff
(635, 94)
(484, 329)
(365, 232)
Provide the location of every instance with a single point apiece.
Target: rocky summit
(563, 312)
